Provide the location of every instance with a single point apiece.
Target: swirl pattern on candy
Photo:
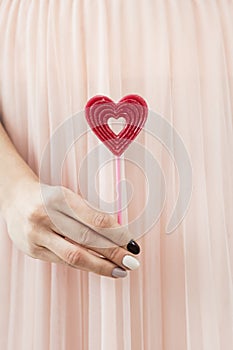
(99, 109)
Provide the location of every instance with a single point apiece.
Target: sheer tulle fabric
(178, 55)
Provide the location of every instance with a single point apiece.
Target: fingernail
(133, 247)
(119, 272)
(130, 262)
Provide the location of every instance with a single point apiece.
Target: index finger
(104, 224)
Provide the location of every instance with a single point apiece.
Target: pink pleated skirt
(178, 55)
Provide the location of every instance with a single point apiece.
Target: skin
(82, 238)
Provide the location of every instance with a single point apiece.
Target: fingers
(42, 253)
(86, 236)
(79, 257)
(117, 255)
(66, 204)
(120, 257)
(106, 225)
(80, 233)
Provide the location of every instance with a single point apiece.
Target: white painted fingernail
(130, 262)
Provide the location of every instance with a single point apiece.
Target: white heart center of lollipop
(116, 125)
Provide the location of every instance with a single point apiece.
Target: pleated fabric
(178, 55)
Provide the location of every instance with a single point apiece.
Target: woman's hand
(59, 226)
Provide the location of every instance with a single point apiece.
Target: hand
(83, 238)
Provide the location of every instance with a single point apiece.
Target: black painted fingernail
(133, 247)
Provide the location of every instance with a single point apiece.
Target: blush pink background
(178, 55)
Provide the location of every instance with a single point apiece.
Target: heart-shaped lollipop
(99, 109)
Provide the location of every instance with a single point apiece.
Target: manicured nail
(119, 272)
(130, 262)
(133, 247)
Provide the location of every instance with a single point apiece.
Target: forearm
(14, 171)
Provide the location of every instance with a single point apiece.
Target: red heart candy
(132, 108)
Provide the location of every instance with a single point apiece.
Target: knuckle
(53, 195)
(84, 236)
(69, 196)
(39, 217)
(33, 250)
(101, 220)
(113, 253)
(74, 257)
(31, 236)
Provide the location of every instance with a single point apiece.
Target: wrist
(16, 191)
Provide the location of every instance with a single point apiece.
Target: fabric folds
(178, 55)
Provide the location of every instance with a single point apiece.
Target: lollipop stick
(118, 179)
